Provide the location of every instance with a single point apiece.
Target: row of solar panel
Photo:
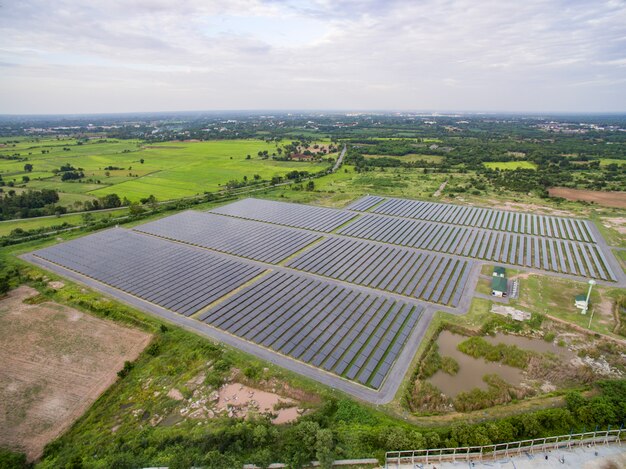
(280, 213)
(563, 256)
(342, 330)
(501, 220)
(244, 238)
(432, 277)
(177, 277)
(365, 203)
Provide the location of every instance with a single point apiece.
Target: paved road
(339, 161)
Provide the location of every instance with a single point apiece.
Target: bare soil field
(534, 208)
(56, 361)
(607, 199)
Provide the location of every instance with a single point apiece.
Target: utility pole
(591, 284)
(592, 310)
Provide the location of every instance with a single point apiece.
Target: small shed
(499, 272)
(581, 302)
(498, 286)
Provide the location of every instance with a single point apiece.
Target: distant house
(498, 282)
(581, 302)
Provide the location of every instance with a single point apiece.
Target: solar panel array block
(557, 255)
(500, 220)
(244, 238)
(426, 276)
(365, 203)
(281, 213)
(348, 332)
(181, 278)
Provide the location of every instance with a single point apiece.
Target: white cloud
(71, 56)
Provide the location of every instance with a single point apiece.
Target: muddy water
(536, 345)
(472, 370)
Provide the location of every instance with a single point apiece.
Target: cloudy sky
(77, 56)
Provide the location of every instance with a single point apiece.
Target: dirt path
(441, 188)
(56, 361)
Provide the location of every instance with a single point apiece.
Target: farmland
(135, 170)
(56, 361)
(607, 199)
(508, 165)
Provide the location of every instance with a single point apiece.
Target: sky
(99, 56)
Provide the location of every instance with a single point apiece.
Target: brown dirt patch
(56, 361)
(607, 199)
(534, 208)
(237, 399)
(616, 223)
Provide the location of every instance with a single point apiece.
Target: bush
(11, 460)
(128, 366)
(507, 354)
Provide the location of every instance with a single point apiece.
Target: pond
(472, 370)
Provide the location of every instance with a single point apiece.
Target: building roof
(581, 297)
(499, 270)
(498, 284)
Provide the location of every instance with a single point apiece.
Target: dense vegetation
(28, 204)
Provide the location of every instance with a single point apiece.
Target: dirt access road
(56, 361)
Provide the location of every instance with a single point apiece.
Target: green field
(169, 170)
(411, 157)
(508, 165)
(608, 161)
(71, 219)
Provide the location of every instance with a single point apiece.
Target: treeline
(37, 203)
(29, 204)
(339, 429)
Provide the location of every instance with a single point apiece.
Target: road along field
(56, 361)
(293, 283)
(606, 199)
(133, 169)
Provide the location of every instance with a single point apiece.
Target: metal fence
(396, 459)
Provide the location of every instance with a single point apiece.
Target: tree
(310, 186)
(111, 201)
(28, 167)
(301, 444)
(324, 448)
(25, 179)
(396, 439)
(141, 161)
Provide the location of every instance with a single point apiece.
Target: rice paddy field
(509, 165)
(166, 170)
(412, 157)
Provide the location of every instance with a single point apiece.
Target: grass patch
(511, 355)
(412, 157)
(510, 165)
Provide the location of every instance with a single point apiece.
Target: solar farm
(341, 295)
